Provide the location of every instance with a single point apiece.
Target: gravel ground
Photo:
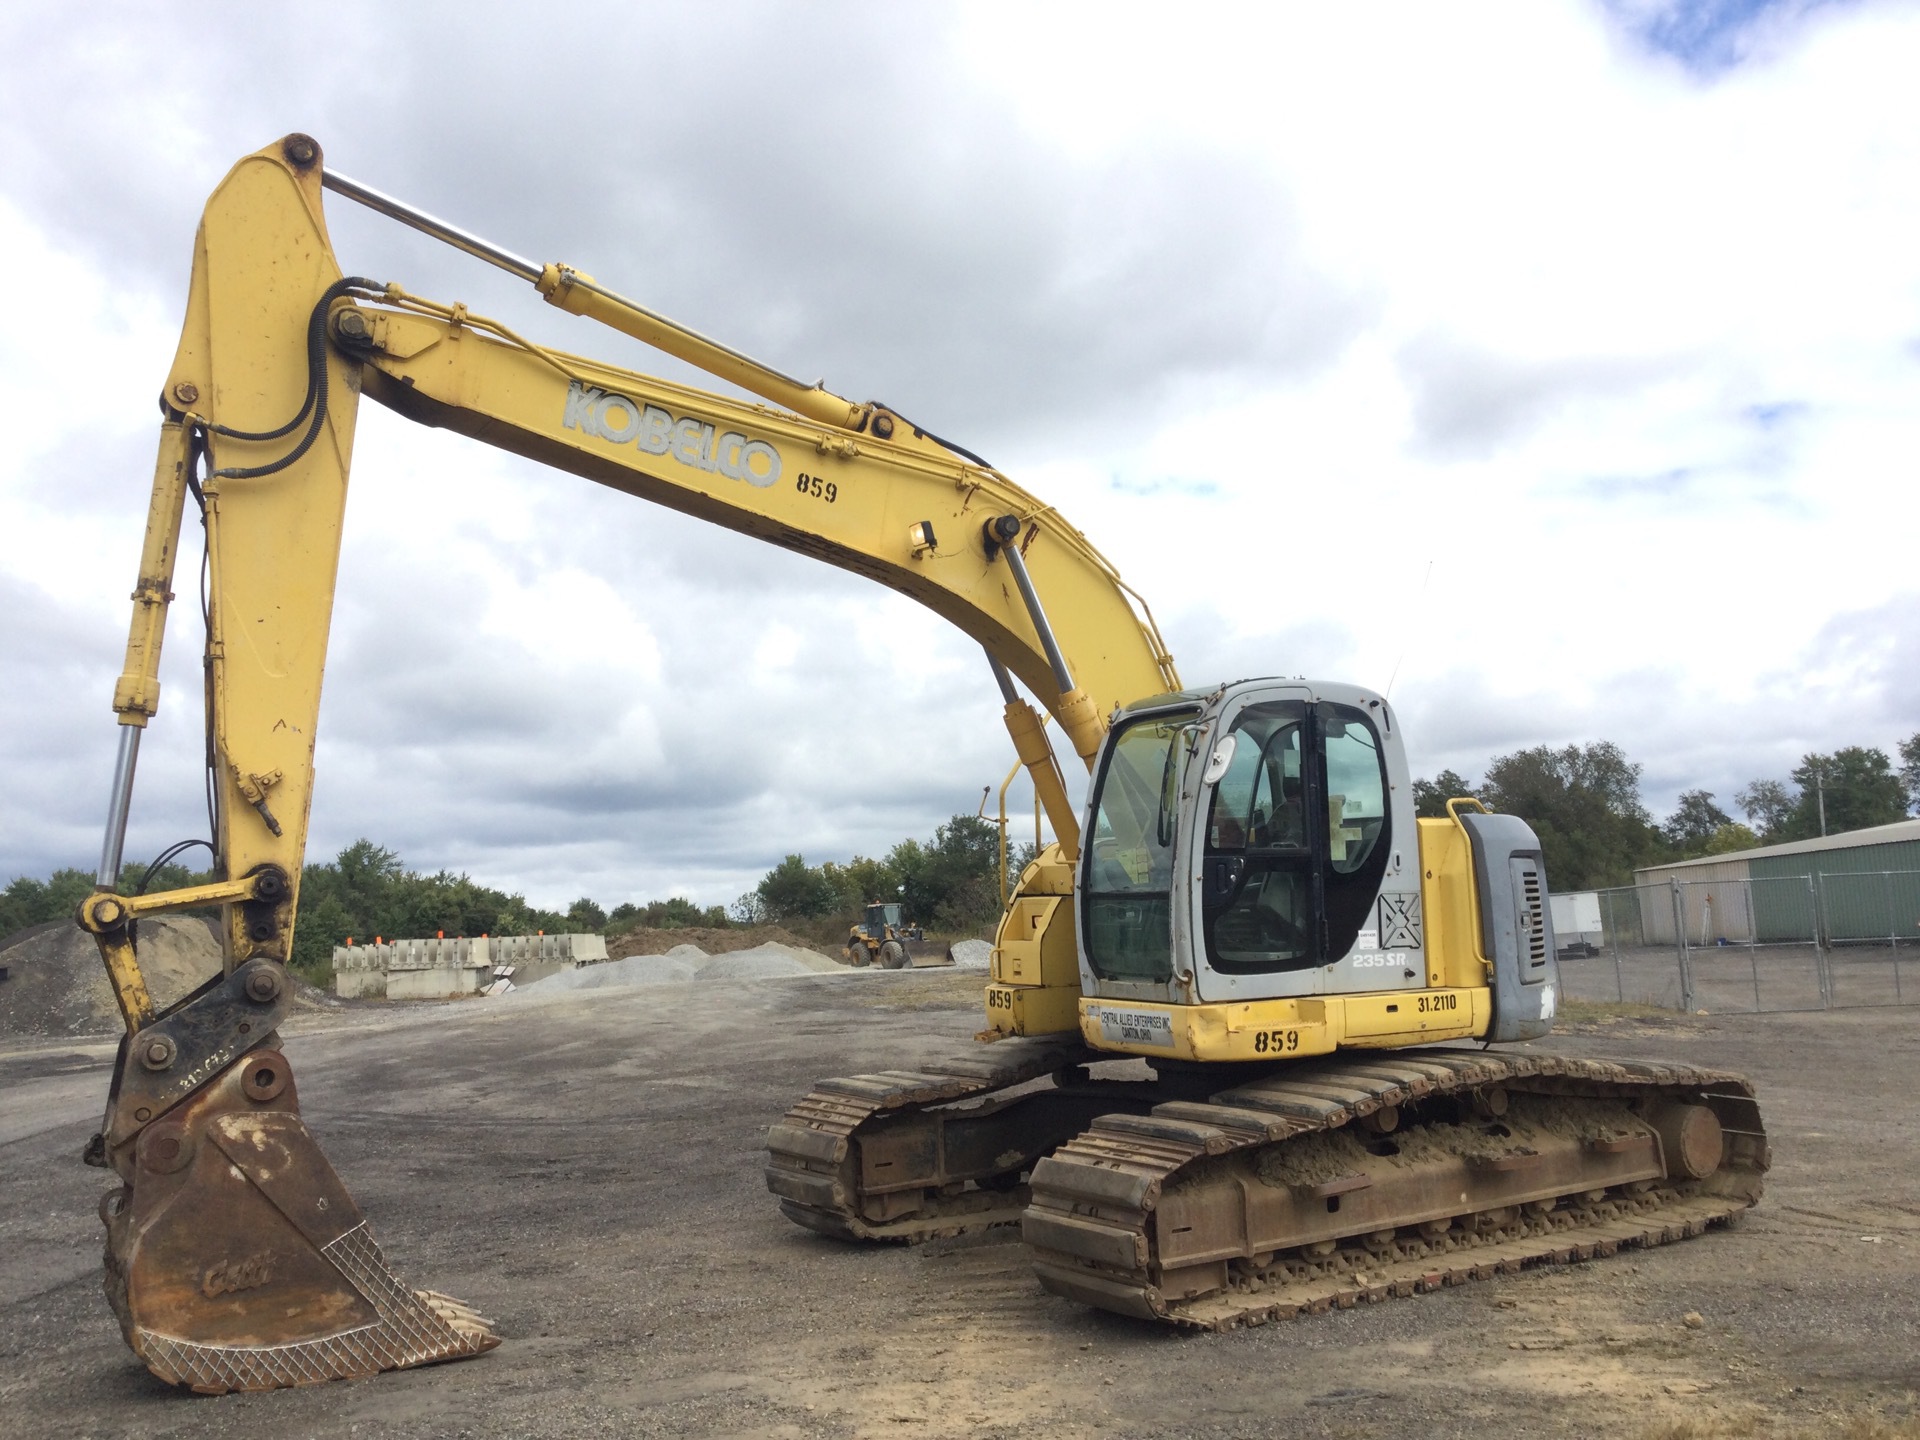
(586, 1169)
(1728, 979)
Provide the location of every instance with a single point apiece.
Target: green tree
(583, 914)
(367, 871)
(907, 864)
(859, 883)
(950, 882)
(366, 891)
(958, 883)
(794, 890)
(322, 923)
(1020, 854)
(27, 901)
(1768, 804)
(676, 912)
(1729, 839)
(1858, 788)
(1694, 823)
(1430, 796)
(1910, 770)
(1584, 804)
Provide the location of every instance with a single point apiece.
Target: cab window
(1296, 838)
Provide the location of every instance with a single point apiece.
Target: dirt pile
(56, 985)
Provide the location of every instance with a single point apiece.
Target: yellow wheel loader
(1222, 1075)
(884, 938)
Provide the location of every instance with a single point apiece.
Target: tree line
(950, 883)
(366, 892)
(363, 892)
(1584, 803)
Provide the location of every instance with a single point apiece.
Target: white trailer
(1576, 924)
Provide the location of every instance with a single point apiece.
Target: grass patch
(318, 973)
(1612, 1012)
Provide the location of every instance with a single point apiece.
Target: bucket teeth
(236, 1260)
(461, 1316)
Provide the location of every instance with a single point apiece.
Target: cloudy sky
(1555, 362)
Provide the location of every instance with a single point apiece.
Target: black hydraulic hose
(960, 450)
(198, 457)
(169, 853)
(316, 400)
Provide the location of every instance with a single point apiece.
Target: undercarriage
(1215, 1200)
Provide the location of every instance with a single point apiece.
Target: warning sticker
(1136, 1027)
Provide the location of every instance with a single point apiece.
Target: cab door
(1294, 840)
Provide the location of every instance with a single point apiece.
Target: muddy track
(873, 1191)
(1332, 1184)
(1315, 1186)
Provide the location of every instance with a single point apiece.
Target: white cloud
(1556, 362)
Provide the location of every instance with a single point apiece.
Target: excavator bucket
(235, 1258)
(929, 952)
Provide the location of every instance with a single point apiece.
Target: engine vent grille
(1531, 895)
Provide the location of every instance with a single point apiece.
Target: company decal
(608, 415)
(1137, 1027)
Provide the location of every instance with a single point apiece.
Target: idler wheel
(1690, 1140)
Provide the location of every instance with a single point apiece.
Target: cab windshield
(1127, 887)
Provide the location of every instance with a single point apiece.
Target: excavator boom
(235, 1258)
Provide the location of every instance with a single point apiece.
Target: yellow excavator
(1250, 906)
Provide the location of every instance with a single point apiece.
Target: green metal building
(1856, 887)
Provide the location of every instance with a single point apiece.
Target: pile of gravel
(972, 954)
(684, 964)
(56, 984)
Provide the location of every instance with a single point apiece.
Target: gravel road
(585, 1168)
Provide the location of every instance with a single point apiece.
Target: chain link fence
(1798, 942)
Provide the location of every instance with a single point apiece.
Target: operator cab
(1251, 842)
(887, 921)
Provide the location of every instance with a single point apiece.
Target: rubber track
(1098, 1192)
(812, 1162)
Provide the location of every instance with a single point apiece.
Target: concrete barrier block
(436, 983)
(433, 968)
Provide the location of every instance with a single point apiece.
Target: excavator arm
(235, 1257)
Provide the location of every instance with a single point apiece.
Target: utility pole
(1820, 794)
